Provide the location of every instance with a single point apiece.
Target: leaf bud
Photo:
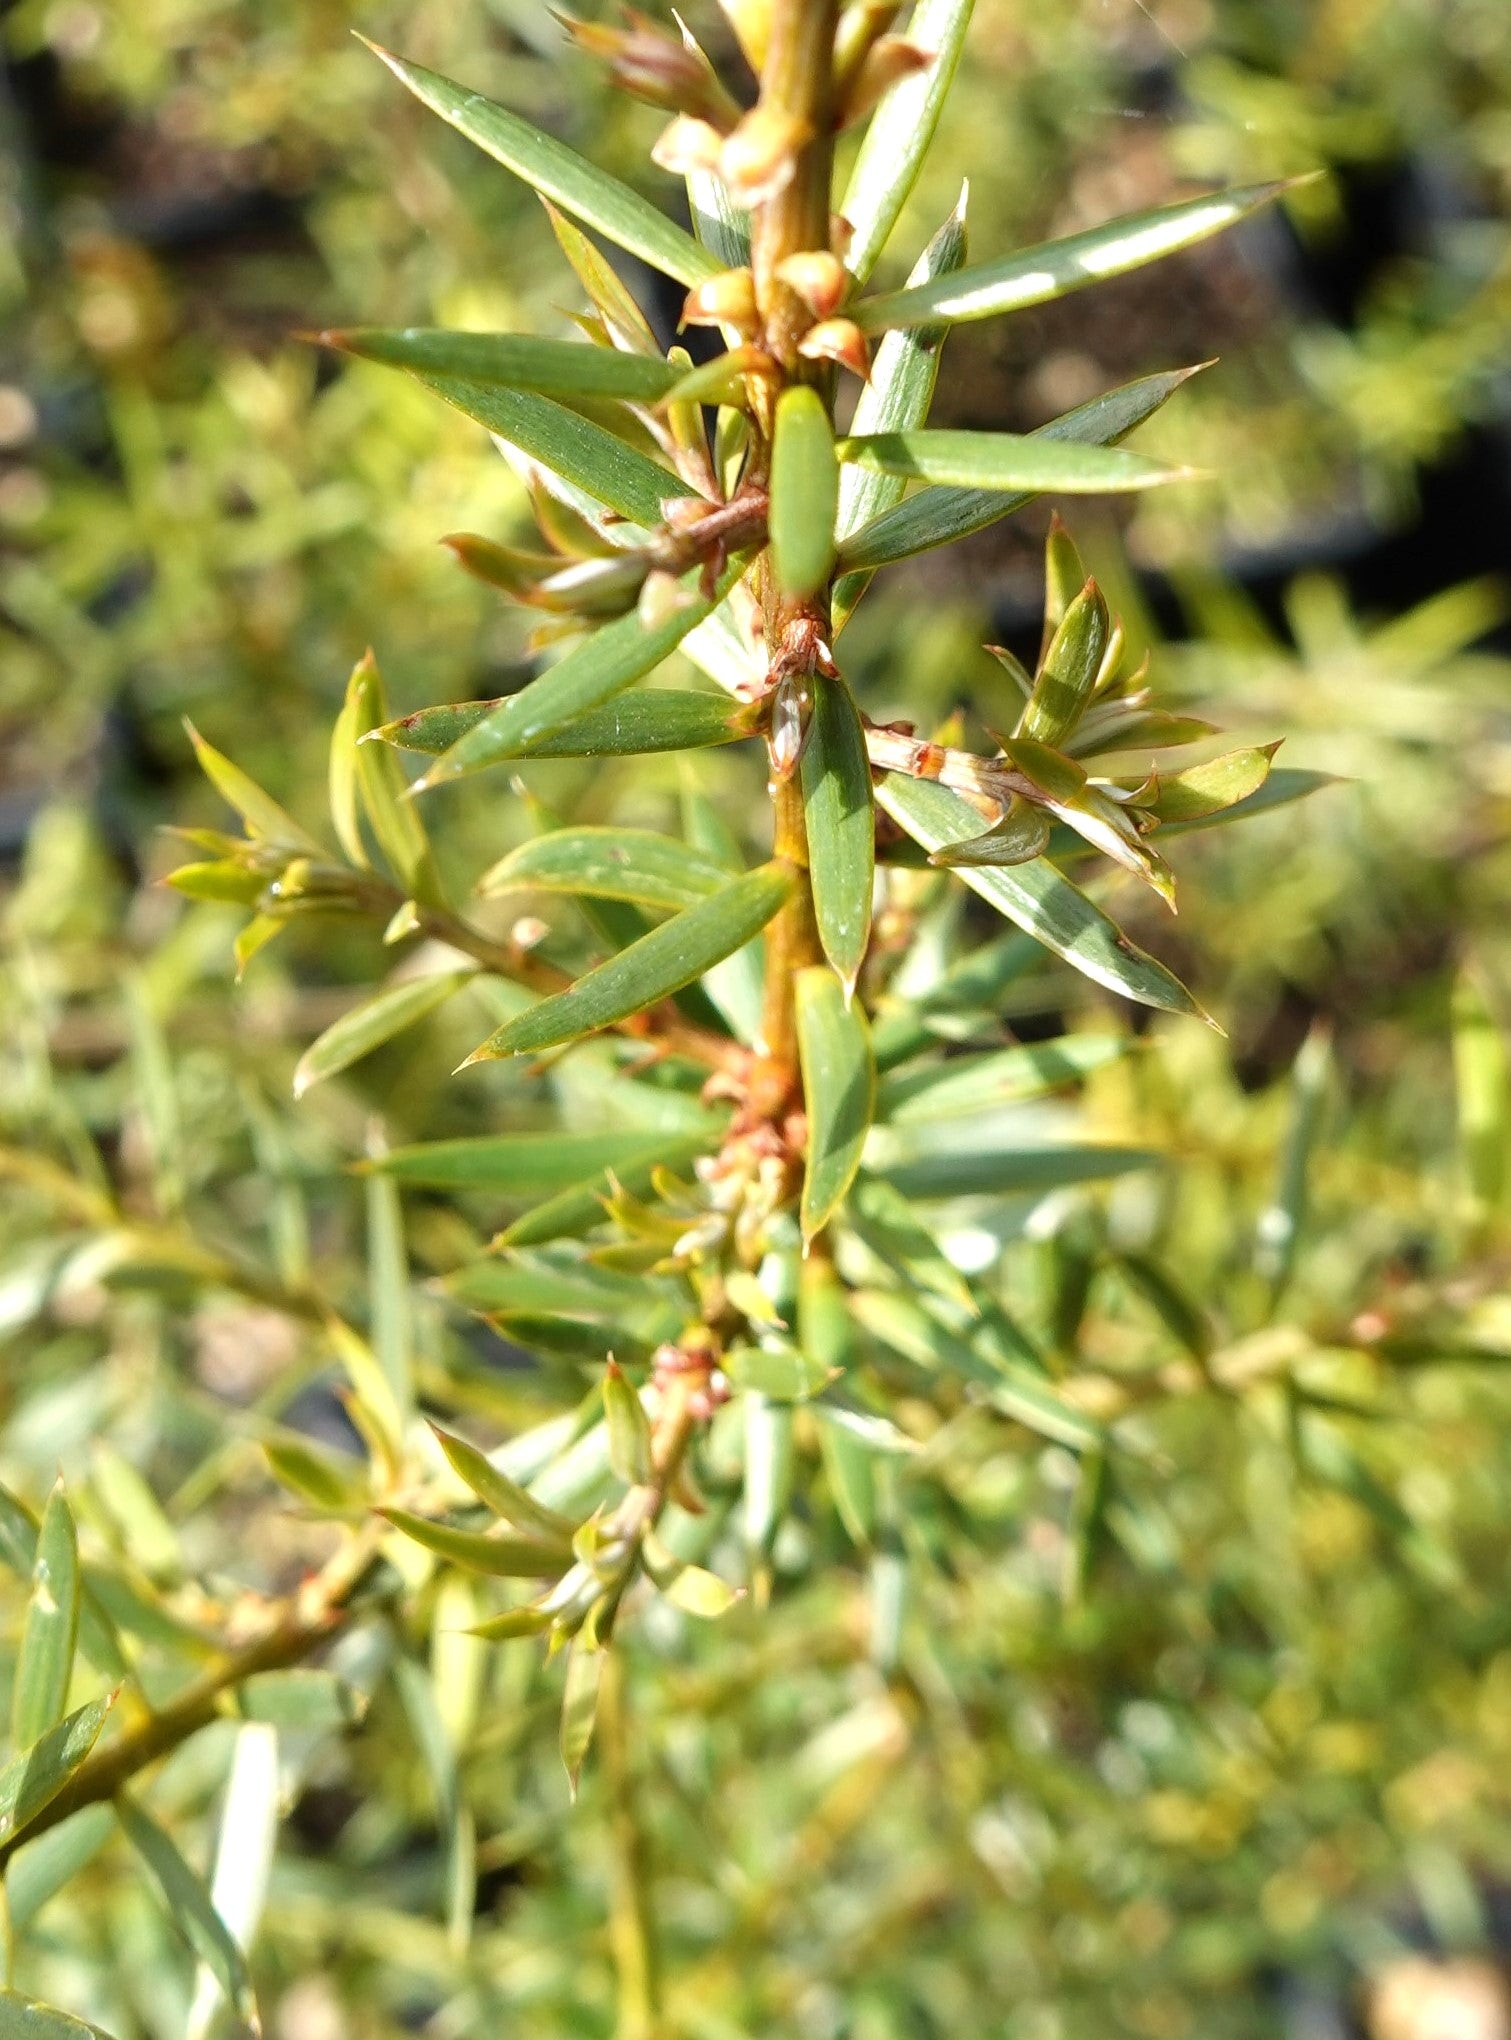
(838, 340)
(728, 299)
(819, 278)
(664, 70)
(687, 145)
(760, 158)
(887, 64)
(602, 587)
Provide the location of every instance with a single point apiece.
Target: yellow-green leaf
(839, 1092)
(841, 825)
(804, 493)
(44, 1665)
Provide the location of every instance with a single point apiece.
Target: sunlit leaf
(1071, 664)
(1037, 898)
(804, 492)
(1017, 463)
(630, 1446)
(841, 825)
(901, 129)
(573, 447)
(244, 1850)
(615, 864)
(1031, 276)
(602, 666)
(938, 516)
(552, 368)
(373, 1022)
(480, 1551)
(35, 1777)
(839, 1092)
(579, 1706)
(559, 173)
(1203, 790)
(651, 969)
(648, 720)
(263, 816)
(782, 1373)
(44, 1664)
(496, 1491)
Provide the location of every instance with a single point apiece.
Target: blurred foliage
(1184, 1741)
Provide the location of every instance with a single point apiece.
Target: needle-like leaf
(1032, 276)
(841, 826)
(559, 173)
(514, 361)
(1037, 898)
(610, 864)
(1009, 461)
(650, 720)
(937, 516)
(651, 969)
(839, 1092)
(886, 169)
(376, 1020)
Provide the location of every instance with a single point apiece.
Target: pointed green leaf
(330, 1482)
(898, 1322)
(496, 1491)
(839, 1092)
(1121, 728)
(622, 320)
(891, 1228)
(263, 816)
(996, 1171)
(841, 825)
(559, 173)
(579, 1705)
(613, 864)
(1203, 790)
(1018, 838)
(515, 1165)
(44, 1664)
(375, 1021)
(779, 1372)
(1037, 898)
(570, 446)
(737, 986)
(505, 1558)
(1007, 1076)
(579, 1209)
(1010, 461)
(38, 1774)
(189, 1906)
(937, 516)
(651, 969)
(897, 140)
(514, 361)
(696, 1591)
(804, 492)
(381, 788)
(1032, 276)
(602, 666)
(649, 720)
(630, 1453)
(23, 2018)
(1069, 670)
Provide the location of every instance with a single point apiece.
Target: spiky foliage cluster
(783, 1219)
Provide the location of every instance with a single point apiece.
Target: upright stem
(796, 85)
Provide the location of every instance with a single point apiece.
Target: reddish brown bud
(728, 299)
(760, 158)
(657, 67)
(838, 340)
(818, 277)
(893, 59)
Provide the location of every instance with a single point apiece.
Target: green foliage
(961, 1488)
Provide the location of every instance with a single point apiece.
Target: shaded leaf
(519, 1165)
(1032, 276)
(23, 2018)
(839, 1092)
(841, 826)
(659, 964)
(1069, 669)
(630, 1453)
(779, 1372)
(981, 1083)
(188, 1905)
(559, 173)
(579, 1706)
(300, 1699)
(993, 1171)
